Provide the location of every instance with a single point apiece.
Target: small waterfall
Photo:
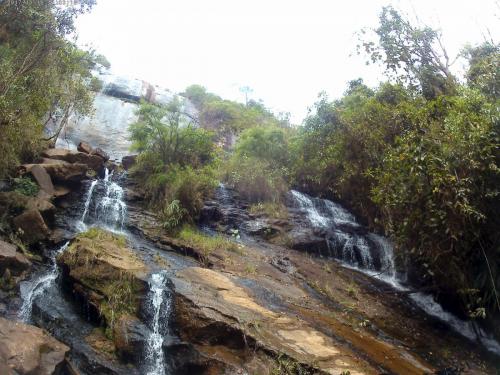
(111, 209)
(222, 194)
(88, 199)
(354, 249)
(306, 203)
(157, 307)
(30, 291)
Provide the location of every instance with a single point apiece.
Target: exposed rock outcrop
(12, 260)
(43, 179)
(212, 309)
(60, 170)
(103, 273)
(32, 226)
(28, 350)
(92, 161)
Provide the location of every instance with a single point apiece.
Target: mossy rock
(106, 274)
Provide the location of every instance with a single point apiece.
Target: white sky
(287, 51)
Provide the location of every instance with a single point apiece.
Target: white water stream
(155, 300)
(356, 253)
(112, 213)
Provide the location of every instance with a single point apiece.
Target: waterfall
(88, 199)
(358, 250)
(30, 291)
(348, 246)
(111, 209)
(155, 300)
(305, 203)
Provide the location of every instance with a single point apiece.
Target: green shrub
(25, 186)
(256, 180)
(173, 215)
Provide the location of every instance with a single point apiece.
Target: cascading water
(158, 308)
(374, 255)
(347, 245)
(104, 207)
(81, 223)
(30, 291)
(110, 209)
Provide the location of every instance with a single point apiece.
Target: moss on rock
(105, 273)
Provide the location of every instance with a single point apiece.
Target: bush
(25, 186)
(256, 180)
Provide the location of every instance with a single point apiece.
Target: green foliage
(176, 162)
(99, 234)
(438, 187)
(42, 75)
(166, 134)
(413, 54)
(255, 179)
(417, 159)
(25, 186)
(484, 68)
(270, 209)
(225, 116)
(258, 169)
(173, 215)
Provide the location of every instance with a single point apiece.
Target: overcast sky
(287, 51)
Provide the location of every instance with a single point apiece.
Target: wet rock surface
(254, 308)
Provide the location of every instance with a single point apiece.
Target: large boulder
(100, 270)
(43, 179)
(28, 350)
(101, 153)
(65, 172)
(128, 161)
(32, 226)
(93, 161)
(10, 259)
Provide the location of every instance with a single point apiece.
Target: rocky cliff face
(114, 110)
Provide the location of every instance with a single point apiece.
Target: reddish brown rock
(93, 161)
(10, 259)
(84, 147)
(43, 179)
(32, 226)
(62, 171)
(101, 153)
(28, 350)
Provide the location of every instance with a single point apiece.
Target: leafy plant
(25, 186)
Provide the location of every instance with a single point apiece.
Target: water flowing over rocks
(316, 291)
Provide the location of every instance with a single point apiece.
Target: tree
(412, 54)
(42, 75)
(166, 133)
(484, 68)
